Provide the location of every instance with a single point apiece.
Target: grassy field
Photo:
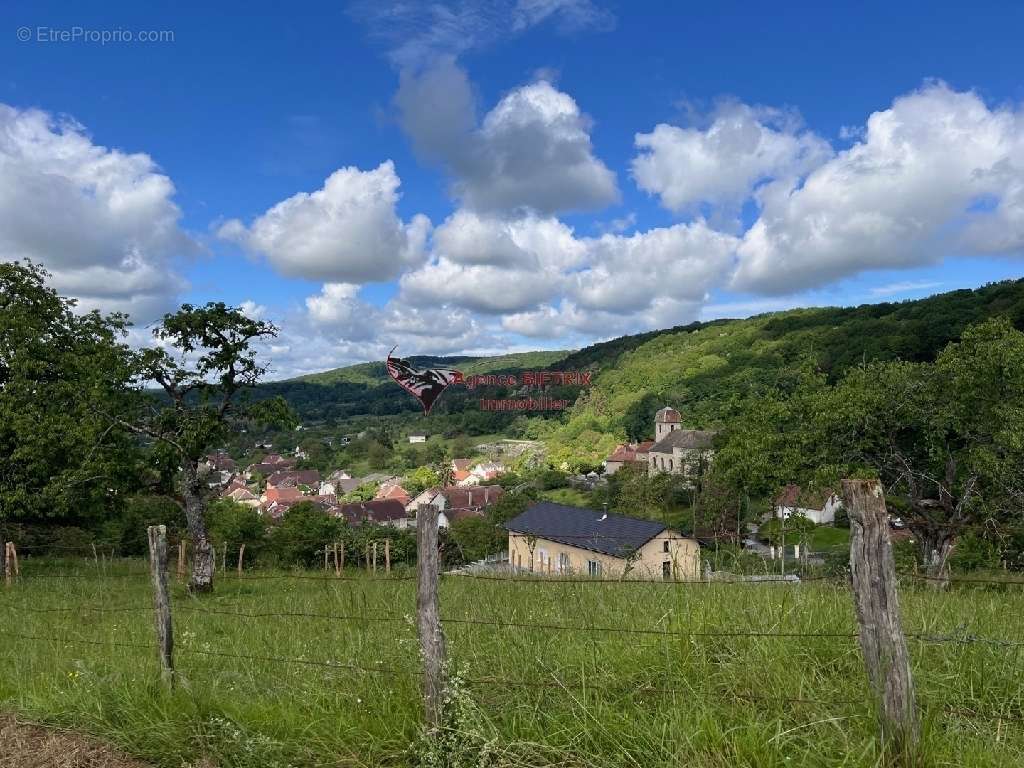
(348, 694)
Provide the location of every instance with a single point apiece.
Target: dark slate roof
(376, 511)
(684, 439)
(592, 529)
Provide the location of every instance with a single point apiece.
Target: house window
(666, 571)
(670, 465)
(593, 568)
(544, 559)
(563, 562)
(664, 546)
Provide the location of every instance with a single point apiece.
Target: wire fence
(69, 635)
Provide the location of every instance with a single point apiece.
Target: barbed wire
(596, 686)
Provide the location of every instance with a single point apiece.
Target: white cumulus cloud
(532, 151)
(102, 221)
(905, 195)
(348, 231)
(722, 164)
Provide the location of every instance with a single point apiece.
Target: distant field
(677, 695)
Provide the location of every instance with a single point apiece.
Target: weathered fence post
(337, 570)
(12, 556)
(161, 601)
(387, 556)
(327, 555)
(429, 615)
(375, 558)
(341, 558)
(95, 556)
(8, 564)
(873, 572)
(181, 560)
(241, 556)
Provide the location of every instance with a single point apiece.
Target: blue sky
(521, 173)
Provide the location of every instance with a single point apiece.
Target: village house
(481, 473)
(456, 503)
(634, 454)
(679, 451)
(243, 496)
(554, 538)
(378, 512)
(819, 507)
(394, 492)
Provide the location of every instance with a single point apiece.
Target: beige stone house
(561, 540)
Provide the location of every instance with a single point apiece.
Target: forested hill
(703, 370)
(697, 368)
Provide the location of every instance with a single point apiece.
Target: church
(674, 450)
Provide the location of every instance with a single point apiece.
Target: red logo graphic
(425, 384)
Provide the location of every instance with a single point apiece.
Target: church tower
(666, 420)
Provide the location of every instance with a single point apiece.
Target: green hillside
(699, 368)
(702, 369)
(375, 373)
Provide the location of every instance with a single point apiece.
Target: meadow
(295, 669)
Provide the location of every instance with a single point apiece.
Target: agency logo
(425, 384)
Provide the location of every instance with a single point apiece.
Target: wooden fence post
(428, 614)
(8, 564)
(241, 556)
(375, 558)
(873, 572)
(95, 556)
(13, 556)
(341, 558)
(387, 556)
(367, 555)
(337, 569)
(161, 601)
(181, 560)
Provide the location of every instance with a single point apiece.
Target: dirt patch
(27, 745)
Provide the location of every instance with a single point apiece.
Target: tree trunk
(936, 547)
(201, 579)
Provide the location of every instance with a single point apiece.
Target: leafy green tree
(364, 492)
(477, 537)
(419, 480)
(231, 523)
(378, 456)
(944, 436)
(58, 367)
(204, 367)
(302, 534)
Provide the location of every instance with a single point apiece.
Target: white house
(817, 506)
(417, 438)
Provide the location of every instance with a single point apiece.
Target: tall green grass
(678, 695)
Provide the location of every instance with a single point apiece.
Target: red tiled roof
(668, 415)
(461, 474)
(464, 498)
(283, 493)
(632, 451)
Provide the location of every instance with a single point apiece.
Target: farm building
(559, 539)
(817, 506)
